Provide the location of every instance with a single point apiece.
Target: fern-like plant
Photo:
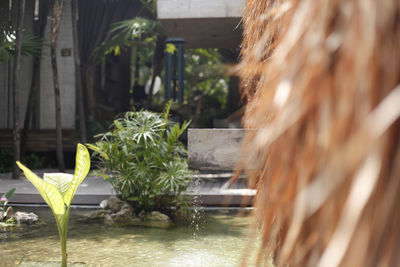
(58, 190)
(143, 159)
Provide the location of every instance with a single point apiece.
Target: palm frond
(31, 45)
(126, 33)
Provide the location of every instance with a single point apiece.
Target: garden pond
(213, 238)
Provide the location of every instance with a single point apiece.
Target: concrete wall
(203, 23)
(214, 149)
(66, 71)
(185, 9)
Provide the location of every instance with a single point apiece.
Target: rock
(125, 216)
(157, 216)
(6, 227)
(126, 211)
(126, 208)
(98, 214)
(157, 219)
(121, 218)
(25, 217)
(115, 204)
(9, 213)
(142, 213)
(104, 204)
(116, 212)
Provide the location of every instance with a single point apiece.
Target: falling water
(197, 213)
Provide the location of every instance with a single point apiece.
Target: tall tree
(16, 78)
(38, 37)
(55, 26)
(78, 75)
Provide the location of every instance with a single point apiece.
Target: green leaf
(149, 39)
(82, 167)
(170, 48)
(48, 191)
(167, 108)
(61, 181)
(98, 150)
(117, 51)
(9, 194)
(118, 125)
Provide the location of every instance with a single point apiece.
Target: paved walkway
(91, 191)
(209, 191)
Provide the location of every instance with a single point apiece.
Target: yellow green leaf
(61, 181)
(118, 125)
(170, 48)
(117, 51)
(82, 167)
(48, 191)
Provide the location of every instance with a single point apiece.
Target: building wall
(66, 71)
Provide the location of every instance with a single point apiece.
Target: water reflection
(211, 239)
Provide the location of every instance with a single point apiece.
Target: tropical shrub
(143, 159)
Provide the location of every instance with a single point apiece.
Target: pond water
(214, 238)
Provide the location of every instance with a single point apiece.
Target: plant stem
(62, 231)
(64, 252)
(64, 240)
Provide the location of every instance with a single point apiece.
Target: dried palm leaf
(322, 82)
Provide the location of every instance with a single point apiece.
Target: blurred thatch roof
(322, 82)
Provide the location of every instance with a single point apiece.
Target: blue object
(177, 90)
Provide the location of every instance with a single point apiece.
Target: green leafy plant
(126, 33)
(58, 190)
(31, 45)
(6, 160)
(34, 160)
(143, 159)
(4, 201)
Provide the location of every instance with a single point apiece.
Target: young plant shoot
(4, 201)
(58, 190)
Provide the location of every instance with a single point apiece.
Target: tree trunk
(89, 86)
(78, 77)
(31, 102)
(16, 78)
(39, 29)
(57, 9)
